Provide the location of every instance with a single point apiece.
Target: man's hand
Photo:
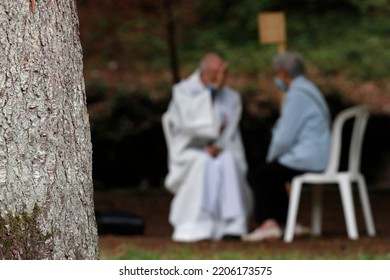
(221, 76)
(212, 150)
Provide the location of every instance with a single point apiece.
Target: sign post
(272, 29)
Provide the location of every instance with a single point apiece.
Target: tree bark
(46, 189)
(171, 30)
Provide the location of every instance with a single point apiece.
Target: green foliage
(234, 21)
(340, 36)
(350, 44)
(256, 60)
(369, 5)
(334, 35)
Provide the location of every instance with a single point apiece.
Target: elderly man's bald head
(211, 62)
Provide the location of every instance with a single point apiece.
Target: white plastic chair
(344, 179)
(167, 129)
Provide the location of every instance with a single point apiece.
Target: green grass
(188, 254)
(256, 252)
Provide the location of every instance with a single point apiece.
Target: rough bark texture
(46, 191)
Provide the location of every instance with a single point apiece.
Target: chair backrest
(360, 114)
(167, 128)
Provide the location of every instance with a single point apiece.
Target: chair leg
(295, 194)
(348, 206)
(366, 205)
(316, 212)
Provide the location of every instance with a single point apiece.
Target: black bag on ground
(119, 222)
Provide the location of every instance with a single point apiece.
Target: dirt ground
(153, 207)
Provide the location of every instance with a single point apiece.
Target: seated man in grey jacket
(300, 143)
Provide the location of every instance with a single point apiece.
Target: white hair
(291, 63)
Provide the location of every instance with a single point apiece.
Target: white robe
(211, 195)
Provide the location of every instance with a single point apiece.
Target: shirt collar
(299, 80)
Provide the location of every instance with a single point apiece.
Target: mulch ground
(153, 208)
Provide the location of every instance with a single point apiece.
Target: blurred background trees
(130, 68)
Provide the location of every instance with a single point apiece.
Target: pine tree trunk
(46, 190)
(171, 30)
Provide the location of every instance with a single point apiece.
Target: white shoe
(262, 234)
(301, 230)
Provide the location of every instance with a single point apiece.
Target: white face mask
(280, 84)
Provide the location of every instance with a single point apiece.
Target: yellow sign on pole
(272, 29)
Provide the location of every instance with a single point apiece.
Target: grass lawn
(126, 248)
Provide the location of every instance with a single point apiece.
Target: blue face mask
(280, 84)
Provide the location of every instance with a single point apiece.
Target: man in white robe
(207, 166)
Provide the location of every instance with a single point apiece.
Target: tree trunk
(46, 190)
(170, 26)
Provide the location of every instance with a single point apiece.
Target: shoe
(263, 234)
(301, 230)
